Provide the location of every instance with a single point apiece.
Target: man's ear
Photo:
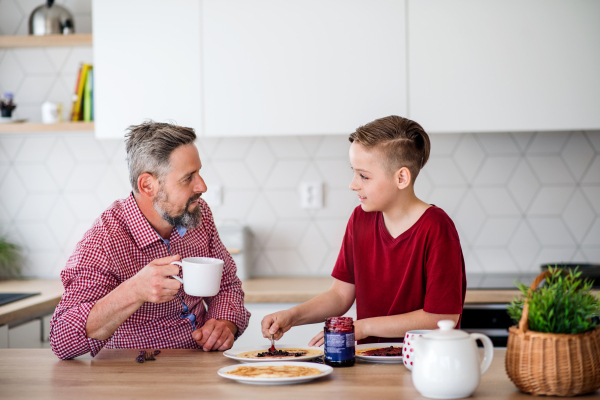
(403, 178)
(147, 185)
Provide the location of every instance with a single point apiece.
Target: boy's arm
(393, 325)
(334, 302)
(398, 325)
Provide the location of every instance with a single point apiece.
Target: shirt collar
(143, 233)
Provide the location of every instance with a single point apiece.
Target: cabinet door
(26, 336)
(146, 63)
(277, 67)
(504, 65)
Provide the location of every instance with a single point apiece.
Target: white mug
(201, 275)
(51, 112)
(408, 347)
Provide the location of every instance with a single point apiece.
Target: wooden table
(183, 374)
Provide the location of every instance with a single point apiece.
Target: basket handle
(524, 322)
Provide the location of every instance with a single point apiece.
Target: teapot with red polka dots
(447, 364)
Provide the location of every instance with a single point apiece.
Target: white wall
(518, 199)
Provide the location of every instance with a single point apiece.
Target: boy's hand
(276, 324)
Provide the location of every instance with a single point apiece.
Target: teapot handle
(488, 348)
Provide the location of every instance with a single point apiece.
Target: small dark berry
(139, 359)
(156, 352)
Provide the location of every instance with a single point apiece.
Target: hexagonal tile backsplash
(511, 214)
(517, 199)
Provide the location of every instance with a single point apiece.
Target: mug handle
(175, 276)
(488, 348)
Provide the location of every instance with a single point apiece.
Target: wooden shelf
(31, 127)
(76, 39)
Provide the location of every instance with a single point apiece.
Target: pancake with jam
(280, 354)
(391, 351)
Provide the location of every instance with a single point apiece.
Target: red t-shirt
(423, 268)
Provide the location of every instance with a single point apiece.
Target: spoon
(272, 348)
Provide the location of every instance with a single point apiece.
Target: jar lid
(446, 332)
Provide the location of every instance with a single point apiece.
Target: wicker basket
(552, 364)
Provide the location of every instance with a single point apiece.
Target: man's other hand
(153, 283)
(216, 334)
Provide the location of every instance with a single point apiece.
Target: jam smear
(280, 353)
(384, 352)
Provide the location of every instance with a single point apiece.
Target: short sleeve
(344, 266)
(445, 279)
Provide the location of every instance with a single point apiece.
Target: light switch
(311, 194)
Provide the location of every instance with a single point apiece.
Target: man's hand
(216, 334)
(152, 283)
(276, 324)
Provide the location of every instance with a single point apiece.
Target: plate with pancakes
(283, 353)
(275, 372)
(380, 352)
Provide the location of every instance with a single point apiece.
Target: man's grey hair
(149, 146)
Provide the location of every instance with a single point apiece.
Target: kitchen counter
(298, 290)
(114, 374)
(50, 291)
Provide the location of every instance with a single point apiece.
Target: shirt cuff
(69, 337)
(238, 315)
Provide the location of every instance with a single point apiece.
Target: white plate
(232, 353)
(325, 370)
(379, 359)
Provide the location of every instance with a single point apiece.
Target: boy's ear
(147, 184)
(403, 178)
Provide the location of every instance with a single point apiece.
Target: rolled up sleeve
(86, 280)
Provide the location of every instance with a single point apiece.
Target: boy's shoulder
(434, 221)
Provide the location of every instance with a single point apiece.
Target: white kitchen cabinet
(282, 67)
(298, 335)
(504, 65)
(4, 337)
(26, 336)
(146, 63)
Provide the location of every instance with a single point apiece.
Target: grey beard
(187, 219)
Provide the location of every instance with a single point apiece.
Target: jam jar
(339, 342)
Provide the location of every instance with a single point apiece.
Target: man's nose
(200, 186)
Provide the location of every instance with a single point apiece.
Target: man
(118, 287)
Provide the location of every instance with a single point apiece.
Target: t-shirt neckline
(404, 235)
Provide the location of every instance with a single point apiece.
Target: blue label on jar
(339, 346)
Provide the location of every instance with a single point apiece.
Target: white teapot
(446, 363)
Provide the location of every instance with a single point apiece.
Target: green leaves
(10, 259)
(563, 305)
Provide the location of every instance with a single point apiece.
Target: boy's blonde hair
(403, 142)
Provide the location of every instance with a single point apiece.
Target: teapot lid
(446, 332)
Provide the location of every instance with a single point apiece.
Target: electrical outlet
(311, 194)
(214, 195)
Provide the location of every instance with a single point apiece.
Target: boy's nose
(353, 185)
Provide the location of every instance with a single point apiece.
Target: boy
(401, 258)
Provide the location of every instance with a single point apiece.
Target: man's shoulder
(110, 222)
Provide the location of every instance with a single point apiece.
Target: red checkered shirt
(119, 244)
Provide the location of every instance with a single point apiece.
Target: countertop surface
(261, 290)
(298, 290)
(182, 374)
(50, 291)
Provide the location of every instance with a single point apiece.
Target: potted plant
(555, 348)
(10, 259)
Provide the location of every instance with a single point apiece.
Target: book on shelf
(79, 102)
(88, 96)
